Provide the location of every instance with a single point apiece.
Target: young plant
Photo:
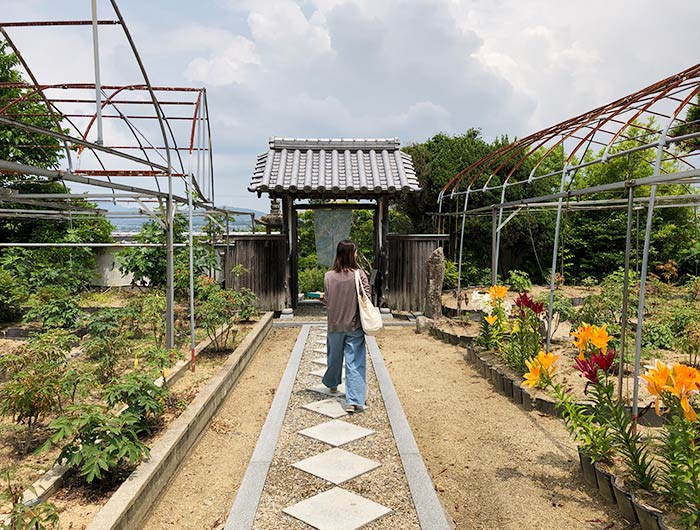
(561, 305)
(494, 324)
(525, 339)
(519, 281)
(141, 395)
(42, 516)
(689, 344)
(152, 313)
(53, 307)
(98, 443)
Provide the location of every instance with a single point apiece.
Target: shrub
(12, 295)
(657, 335)
(42, 516)
(218, 309)
(311, 280)
(98, 443)
(245, 303)
(451, 274)
(519, 281)
(561, 304)
(53, 307)
(152, 315)
(140, 394)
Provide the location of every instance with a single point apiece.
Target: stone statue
(436, 274)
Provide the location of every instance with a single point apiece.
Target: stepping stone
(336, 432)
(322, 342)
(323, 389)
(319, 373)
(332, 408)
(320, 360)
(320, 350)
(337, 509)
(337, 465)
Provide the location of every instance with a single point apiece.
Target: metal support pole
(498, 227)
(191, 266)
(643, 280)
(625, 291)
(494, 254)
(169, 270)
(461, 247)
(98, 86)
(552, 273)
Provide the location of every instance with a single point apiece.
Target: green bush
(140, 394)
(42, 516)
(519, 281)
(657, 335)
(53, 307)
(311, 280)
(97, 442)
(12, 295)
(451, 275)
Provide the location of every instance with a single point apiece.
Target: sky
(370, 68)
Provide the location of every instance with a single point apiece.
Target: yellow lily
(491, 319)
(532, 377)
(684, 383)
(657, 378)
(547, 360)
(582, 337)
(498, 292)
(599, 337)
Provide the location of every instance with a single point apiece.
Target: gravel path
(287, 485)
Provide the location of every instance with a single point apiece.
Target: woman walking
(345, 339)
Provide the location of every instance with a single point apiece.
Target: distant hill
(133, 224)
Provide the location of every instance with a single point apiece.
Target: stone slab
(323, 389)
(337, 465)
(320, 360)
(337, 509)
(336, 432)
(332, 407)
(320, 350)
(319, 373)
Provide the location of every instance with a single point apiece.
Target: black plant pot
(605, 484)
(527, 401)
(648, 517)
(625, 503)
(588, 469)
(517, 394)
(508, 386)
(454, 339)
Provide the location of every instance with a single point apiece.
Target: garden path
(315, 465)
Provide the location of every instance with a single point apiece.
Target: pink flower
(589, 369)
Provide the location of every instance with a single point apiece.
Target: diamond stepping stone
(319, 373)
(323, 389)
(333, 408)
(320, 360)
(336, 432)
(320, 350)
(337, 509)
(337, 465)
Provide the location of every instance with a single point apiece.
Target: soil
(493, 465)
(215, 468)
(570, 291)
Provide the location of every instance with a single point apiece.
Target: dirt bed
(494, 466)
(202, 493)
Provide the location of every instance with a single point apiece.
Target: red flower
(604, 362)
(589, 369)
(523, 301)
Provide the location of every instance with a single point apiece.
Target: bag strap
(360, 292)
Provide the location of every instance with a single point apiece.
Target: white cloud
(235, 63)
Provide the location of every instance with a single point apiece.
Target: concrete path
(330, 462)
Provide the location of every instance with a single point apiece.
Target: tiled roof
(334, 167)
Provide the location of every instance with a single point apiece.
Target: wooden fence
(265, 258)
(407, 281)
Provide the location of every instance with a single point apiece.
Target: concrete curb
(242, 512)
(300, 323)
(431, 513)
(132, 501)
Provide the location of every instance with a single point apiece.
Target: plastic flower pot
(508, 386)
(517, 394)
(605, 484)
(527, 401)
(588, 469)
(465, 341)
(648, 516)
(454, 339)
(624, 501)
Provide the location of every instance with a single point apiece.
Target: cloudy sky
(371, 68)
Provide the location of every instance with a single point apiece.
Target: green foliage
(657, 335)
(593, 437)
(107, 341)
(311, 279)
(53, 307)
(42, 516)
(245, 303)
(525, 340)
(216, 308)
(140, 394)
(560, 304)
(34, 387)
(151, 309)
(97, 442)
(689, 344)
(519, 281)
(12, 295)
(680, 467)
(451, 274)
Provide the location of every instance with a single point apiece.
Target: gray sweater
(340, 297)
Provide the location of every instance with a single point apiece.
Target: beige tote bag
(370, 317)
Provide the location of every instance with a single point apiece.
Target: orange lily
(491, 319)
(547, 360)
(684, 382)
(582, 337)
(532, 377)
(657, 378)
(498, 292)
(599, 337)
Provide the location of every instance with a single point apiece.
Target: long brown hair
(345, 256)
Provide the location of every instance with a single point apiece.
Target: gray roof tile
(334, 166)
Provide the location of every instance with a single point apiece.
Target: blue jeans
(351, 346)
